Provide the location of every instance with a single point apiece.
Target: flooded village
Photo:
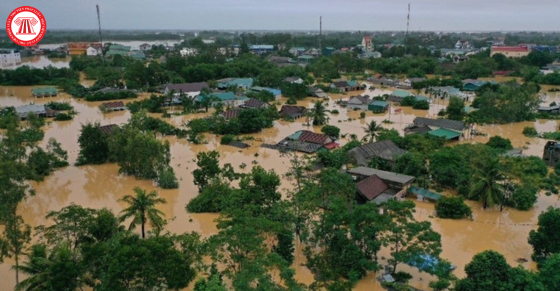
(364, 161)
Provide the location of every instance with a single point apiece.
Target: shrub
(227, 139)
(423, 105)
(362, 115)
(452, 207)
(167, 180)
(331, 131)
(500, 143)
(62, 116)
(530, 131)
(59, 106)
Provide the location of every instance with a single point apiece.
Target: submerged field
(98, 186)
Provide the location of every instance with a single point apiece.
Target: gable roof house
(382, 81)
(473, 85)
(190, 89)
(292, 111)
(510, 51)
(398, 96)
(378, 106)
(359, 102)
(380, 186)
(113, 106)
(39, 110)
(232, 113)
(304, 141)
(254, 104)
(346, 86)
(445, 128)
(385, 150)
(408, 83)
(317, 92)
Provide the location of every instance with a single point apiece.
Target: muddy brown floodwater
(99, 186)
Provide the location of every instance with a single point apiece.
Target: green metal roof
(422, 98)
(445, 133)
(296, 135)
(379, 103)
(401, 93)
(305, 57)
(424, 192)
(221, 96)
(46, 90)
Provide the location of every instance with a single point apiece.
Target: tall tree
(142, 210)
(456, 109)
(16, 235)
(546, 239)
(487, 185)
(319, 113)
(409, 240)
(372, 131)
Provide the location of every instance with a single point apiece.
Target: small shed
(445, 133)
(424, 194)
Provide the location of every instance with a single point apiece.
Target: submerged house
(39, 110)
(292, 111)
(359, 102)
(445, 128)
(379, 186)
(276, 92)
(317, 92)
(346, 86)
(408, 83)
(382, 81)
(549, 109)
(385, 150)
(44, 92)
(398, 96)
(473, 85)
(190, 89)
(304, 141)
(378, 106)
(113, 106)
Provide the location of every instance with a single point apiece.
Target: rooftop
(385, 149)
(384, 175)
(371, 187)
(441, 123)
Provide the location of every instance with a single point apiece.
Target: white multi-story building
(9, 57)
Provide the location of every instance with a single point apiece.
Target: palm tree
(42, 265)
(142, 210)
(488, 186)
(371, 130)
(319, 113)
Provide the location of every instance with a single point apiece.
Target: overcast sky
(438, 15)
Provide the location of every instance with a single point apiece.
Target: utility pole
(407, 25)
(100, 39)
(320, 35)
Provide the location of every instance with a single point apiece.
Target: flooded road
(101, 186)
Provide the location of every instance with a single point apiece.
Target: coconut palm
(488, 186)
(43, 265)
(319, 113)
(142, 210)
(372, 130)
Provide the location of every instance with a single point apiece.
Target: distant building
(254, 104)
(282, 61)
(113, 106)
(9, 57)
(39, 110)
(380, 80)
(473, 85)
(78, 48)
(510, 51)
(276, 92)
(261, 49)
(145, 46)
(463, 45)
(317, 92)
(304, 141)
(367, 43)
(408, 83)
(187, 52)
(93, 51)
(44, 92)
(297, 51)
(378, 106)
